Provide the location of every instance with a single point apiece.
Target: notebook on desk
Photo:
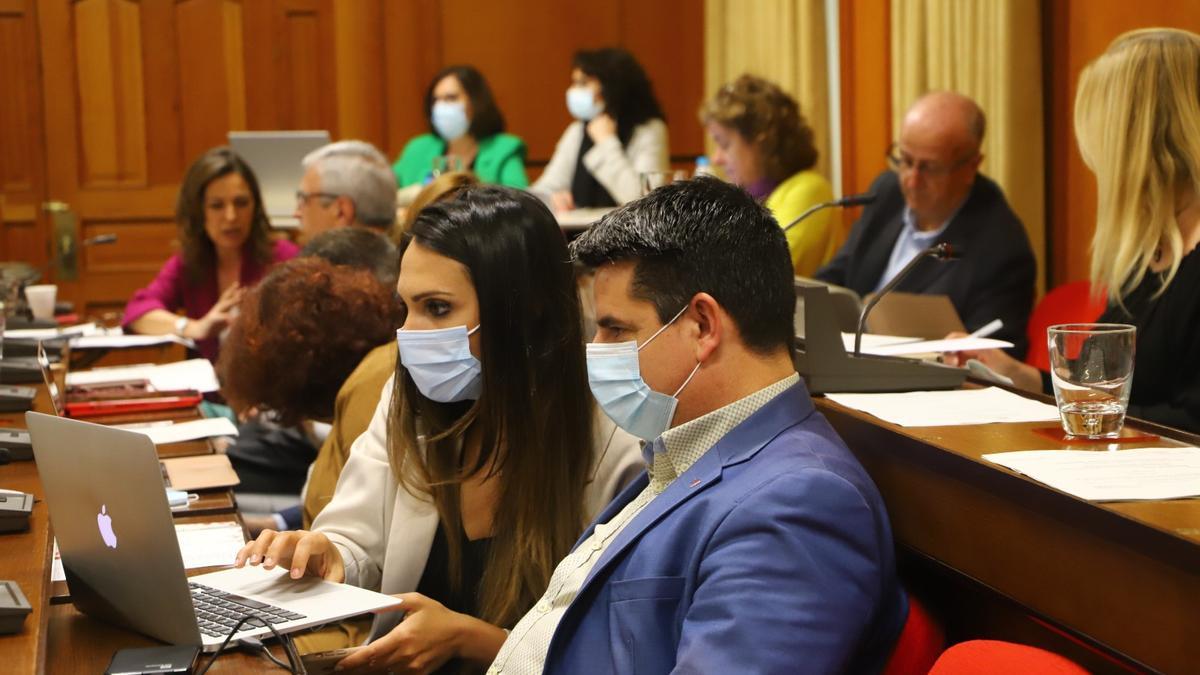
(122, 560)
(112, 398)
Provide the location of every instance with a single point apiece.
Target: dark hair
(358, 247)
(628, 95)
(535, 414)
(703, 235)
(766, 115)
(301, 332)
(199, 254)
(486, 119)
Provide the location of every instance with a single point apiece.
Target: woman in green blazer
(467, 129)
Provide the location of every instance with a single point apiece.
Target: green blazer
(501, 159)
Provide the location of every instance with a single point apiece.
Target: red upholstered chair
(921, 641)
(1069, 303)
(992, 657)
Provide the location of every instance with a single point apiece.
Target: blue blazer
(771, 554)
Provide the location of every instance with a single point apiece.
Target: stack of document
(91, 336)
(167, 431)
(1118, 475)
(195, 374)
(892, 345)
(947, 408)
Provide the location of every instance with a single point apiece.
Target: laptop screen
(275, 157)
(48, 378)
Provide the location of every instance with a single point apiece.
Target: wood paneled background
(107, 101)
(104, 102)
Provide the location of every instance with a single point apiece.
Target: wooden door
(129, 98)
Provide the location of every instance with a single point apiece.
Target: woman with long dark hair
(486, 456)
(466, 130)
(620, 131)
(224, 248)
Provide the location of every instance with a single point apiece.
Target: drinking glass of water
(1091, 365)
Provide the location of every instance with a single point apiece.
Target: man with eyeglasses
(934, 193)
(345, 183)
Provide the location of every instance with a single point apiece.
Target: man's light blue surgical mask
(441, 363)
(615, 376)
(581, 102)
(450, 119)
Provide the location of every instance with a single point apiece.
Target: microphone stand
(941, 252)
(852, 200)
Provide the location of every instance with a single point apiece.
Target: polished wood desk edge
(1148, 538)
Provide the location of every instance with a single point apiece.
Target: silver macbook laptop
(275, 158)
(117, 540)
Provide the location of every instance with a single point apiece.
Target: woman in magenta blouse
(225, 248)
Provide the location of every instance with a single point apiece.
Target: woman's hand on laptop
(428, 636)
(301, 551)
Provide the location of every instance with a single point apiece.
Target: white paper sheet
(121, 341)
(1116, 475)
(51, 333)
(201, 545)
(889, 345)
(195, 374)
(183, 431)
(947, 408)
(580, 219)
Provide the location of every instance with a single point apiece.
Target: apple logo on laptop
(106, 530)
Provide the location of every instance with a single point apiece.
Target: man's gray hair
(359, 171)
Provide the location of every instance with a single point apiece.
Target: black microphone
(941, 252)
(100, 239)
(851, 200)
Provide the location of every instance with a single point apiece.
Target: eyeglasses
(302, 197)
(902, 162)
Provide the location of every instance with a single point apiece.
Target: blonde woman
(1137, 121)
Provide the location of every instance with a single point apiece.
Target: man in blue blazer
(754, 542)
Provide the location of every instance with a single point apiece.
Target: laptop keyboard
(217, 612)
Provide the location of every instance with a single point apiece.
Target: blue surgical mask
(615, 376)
(441, 364)
(581, 102)
(450, 119)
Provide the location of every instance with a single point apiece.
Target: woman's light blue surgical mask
(582, 103)
(441, 363)
(450, 119)
(615, 376)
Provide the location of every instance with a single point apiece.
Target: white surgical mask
(450, 119)
(441, 363)
(581, 102)
(615, 377)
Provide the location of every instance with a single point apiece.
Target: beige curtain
(989, 50)
(781, 40)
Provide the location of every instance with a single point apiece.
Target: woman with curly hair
(225, 248)
(313, 342)
(764, 145)
(619, 133)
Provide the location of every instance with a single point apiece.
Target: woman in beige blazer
(486, 456)
(619, 133)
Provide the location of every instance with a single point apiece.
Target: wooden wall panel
(142, 87)
(865, 36)
(22, 168)
(211, 68)
(108, 64)
(1078, 31)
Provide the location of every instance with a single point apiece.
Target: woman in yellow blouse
(764, 145)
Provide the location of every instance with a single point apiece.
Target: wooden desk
(24, 558)
(1121, 577)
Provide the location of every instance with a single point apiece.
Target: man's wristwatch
(181, 324)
